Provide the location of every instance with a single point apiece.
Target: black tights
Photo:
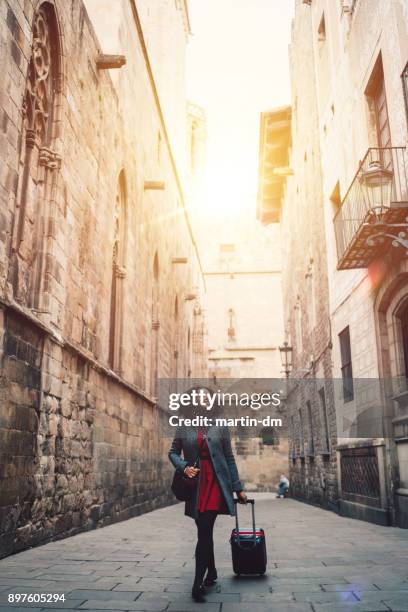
(204, 553)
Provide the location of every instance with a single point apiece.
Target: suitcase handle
(252, 502)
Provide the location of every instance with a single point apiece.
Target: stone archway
(391, 309)
(391, 300)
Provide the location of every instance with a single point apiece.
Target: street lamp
(376, 184)
(286, 358)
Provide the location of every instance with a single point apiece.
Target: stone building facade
(243, 301)
(291, 193)
(98, 299)
(357, 53)
(363, 136)
(243, 309)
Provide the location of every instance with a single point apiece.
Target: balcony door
(377, 101)
(403, 317)
(381, 114)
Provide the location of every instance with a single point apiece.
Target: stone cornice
(155, 93)
(74, 347)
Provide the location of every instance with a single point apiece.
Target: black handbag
(183, 487)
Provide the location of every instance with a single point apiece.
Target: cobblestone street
(316, 561)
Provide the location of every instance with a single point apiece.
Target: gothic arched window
(155, 325)
(118, 275)
(32, 261)
(175, 338)
(188, 361)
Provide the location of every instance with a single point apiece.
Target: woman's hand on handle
(191, 472)
(242, 497)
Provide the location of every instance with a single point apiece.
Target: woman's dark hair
(191, 409)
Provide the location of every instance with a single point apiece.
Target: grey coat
(219, 444)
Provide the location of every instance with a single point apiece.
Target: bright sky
(237, 66)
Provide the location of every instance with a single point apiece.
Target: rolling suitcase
(248, 547)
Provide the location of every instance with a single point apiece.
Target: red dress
(210, 496)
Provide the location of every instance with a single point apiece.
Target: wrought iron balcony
(374, 212)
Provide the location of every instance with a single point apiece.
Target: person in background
(283, 486)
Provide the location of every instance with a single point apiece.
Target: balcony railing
(373, 214)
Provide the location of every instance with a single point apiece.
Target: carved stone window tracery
(39, 88)
(118, 276)
(39, 163)
(154, 355)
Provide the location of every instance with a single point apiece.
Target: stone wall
(313, 473)
(260, 465)
(80, 458)
(91, 220)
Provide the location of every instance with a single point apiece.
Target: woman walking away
(205, 454)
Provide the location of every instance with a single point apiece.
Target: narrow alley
(317, 561)
(203, 198)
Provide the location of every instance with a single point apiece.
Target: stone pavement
(317, 561)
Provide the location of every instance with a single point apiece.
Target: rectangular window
(335, 199)
(293, 439)
(325, 422)
(311, 449)
(321, 31)
(404, 78)
(346, 365)
(403, 317)
(227, 248)
(298, 329)
(301, 436)
(312, 301)
(381, 115)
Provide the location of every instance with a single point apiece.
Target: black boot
(197, 593)
(211, 577)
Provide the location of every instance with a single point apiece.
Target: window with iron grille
(346, 365)
(301, 436)
(360, 480)
(293, 438)
(311, 450)
(325, 422)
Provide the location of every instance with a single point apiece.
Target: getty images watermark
(207, 400)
